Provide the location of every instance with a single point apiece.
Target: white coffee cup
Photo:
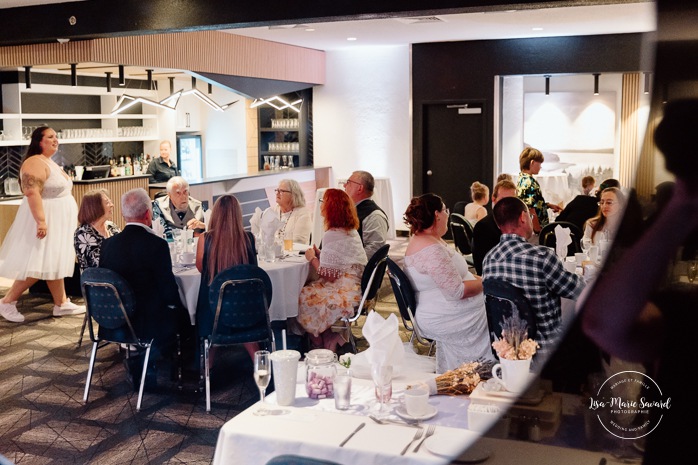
(514, 374)
(285, 365)
(570, 266)
(416, 402)
(580, 257)
(188, 258)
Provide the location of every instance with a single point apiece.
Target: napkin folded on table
(385, 345)
(255, 221)
(268, 225)
(562, 240)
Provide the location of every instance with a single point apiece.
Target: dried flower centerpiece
(515, 343)
(461, 380)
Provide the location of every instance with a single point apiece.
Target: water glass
(342, 392)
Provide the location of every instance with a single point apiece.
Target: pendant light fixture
(150, 78)
(596, 83)
(278, 103)
(210, 88)
(108, 74)
(171, 78)
(647, 83)
(73, 74)
(28, 76)
(122, 76)
(547, 84)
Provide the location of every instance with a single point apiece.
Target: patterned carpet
(44, 420)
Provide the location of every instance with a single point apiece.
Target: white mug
(515, 374)
(416, 402)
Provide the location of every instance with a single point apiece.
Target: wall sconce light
(647, 83)
(73, 74)
(547, 84)
(122, 76)
(108, 73)
(28, 76)
(283, 103)
(150, 78)
(596, 83)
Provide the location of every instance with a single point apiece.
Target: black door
(453, 156)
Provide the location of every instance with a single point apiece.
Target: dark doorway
(453, 150)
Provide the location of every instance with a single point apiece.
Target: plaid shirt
(540, 274)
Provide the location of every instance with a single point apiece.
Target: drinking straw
(283, 339)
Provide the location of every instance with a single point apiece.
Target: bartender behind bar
(161, 168)
(177, 210)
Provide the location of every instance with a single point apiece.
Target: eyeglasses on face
(606, 202)
(282, 191)
(350, 181)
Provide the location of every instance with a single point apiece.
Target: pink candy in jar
(322, 369)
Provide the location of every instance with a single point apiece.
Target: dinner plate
(444, 444)
(431, 413)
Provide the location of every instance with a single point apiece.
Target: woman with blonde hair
(475, 210)
(339, 267)
(225, 244)
(294, 215)
(94, 216)
(528, 189)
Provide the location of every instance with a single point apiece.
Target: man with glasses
(177, 210)
(373, 222)
(536, 270)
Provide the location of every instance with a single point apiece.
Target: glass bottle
(322, 369)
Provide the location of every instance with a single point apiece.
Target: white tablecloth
(287, 278)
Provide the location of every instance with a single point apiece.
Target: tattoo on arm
(30, 182)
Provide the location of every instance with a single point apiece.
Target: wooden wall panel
(629, 144)
(116, 188)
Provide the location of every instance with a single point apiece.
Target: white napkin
(562, 240)
(269, 224)
(255, 220)
(385, 345)
(207, 218)
(158, 228)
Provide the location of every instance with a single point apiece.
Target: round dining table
(287, 275)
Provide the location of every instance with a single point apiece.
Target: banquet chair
(407, 303)
(547, 237)
(239, 298)
(462, 233)
(371, 281)
(459, 207)
(502, 299)
(110, 303)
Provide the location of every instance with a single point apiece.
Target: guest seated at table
(295, 218)
(505, 177)
(605, 223)
(336, 290)
(95, 217)
(475, 210)
(534, 269)
(528, 189)
(143, 260)
(373, 222)
(450, 303)
(177, 210)
(224, 245)
(583, 206)
(486, 233)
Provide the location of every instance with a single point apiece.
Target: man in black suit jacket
(486, 233)
(143, 260)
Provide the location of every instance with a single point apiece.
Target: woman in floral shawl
(528, 189)
(339, 266)
(96, 210)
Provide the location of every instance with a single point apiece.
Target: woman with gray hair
(296, 223)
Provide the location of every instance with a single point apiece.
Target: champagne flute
(382, 376)
(692, 271)
(262, 376)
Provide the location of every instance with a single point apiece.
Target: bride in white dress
(450, 302)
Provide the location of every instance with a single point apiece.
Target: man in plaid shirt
(534, 269)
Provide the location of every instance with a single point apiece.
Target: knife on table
(358, 428)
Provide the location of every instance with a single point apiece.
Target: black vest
(363, 209)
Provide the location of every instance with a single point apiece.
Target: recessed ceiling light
(351, 38)
(309, 29)
(536, 28)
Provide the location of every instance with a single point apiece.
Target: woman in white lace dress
(39, 244)
(450, 302)
(339, 267)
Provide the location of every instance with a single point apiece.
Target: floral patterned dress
(88, 243)
(323, 302)
(529, 191)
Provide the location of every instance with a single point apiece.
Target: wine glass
(382, 376)
(586, 245)
(262, 376)
(692, 271)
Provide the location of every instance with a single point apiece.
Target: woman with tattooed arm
(39, 244)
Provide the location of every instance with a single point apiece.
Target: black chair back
(501, 301)
(548, 239)
(462, 233)
(378, 263)
(459, 207)
(406, 301)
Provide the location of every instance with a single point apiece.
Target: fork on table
(430, 432)
(417, 435)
